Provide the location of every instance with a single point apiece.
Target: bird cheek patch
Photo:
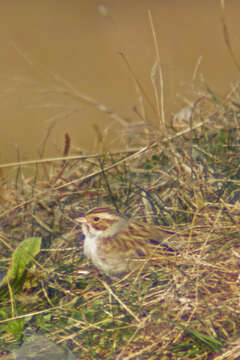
(103, 225)
(100, 226)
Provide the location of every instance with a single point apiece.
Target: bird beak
(81, 220)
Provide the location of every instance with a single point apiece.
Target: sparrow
(116, 245)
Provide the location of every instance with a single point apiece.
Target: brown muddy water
(52, 51)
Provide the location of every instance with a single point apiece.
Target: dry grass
(186, 178)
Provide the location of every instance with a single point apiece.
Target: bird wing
(138, 241)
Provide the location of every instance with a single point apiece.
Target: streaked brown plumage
(116, 245)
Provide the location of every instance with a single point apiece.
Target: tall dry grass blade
(227, 37)
(160, 102)
(137, 82)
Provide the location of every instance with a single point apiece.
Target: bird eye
(96, 218)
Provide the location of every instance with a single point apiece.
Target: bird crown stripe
(102, 211)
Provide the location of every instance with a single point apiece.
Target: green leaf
(15, 328)
(22, 256)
